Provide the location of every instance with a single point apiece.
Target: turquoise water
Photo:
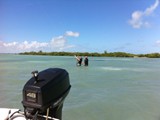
(108, 89)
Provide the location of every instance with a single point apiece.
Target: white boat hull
(6, 113)
(14, 114)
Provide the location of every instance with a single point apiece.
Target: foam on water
(126, 69)
(112, 68)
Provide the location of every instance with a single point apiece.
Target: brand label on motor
(31, 96)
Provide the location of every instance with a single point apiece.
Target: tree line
(94, 54)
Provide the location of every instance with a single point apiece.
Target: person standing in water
(86, 61)
(79, 60)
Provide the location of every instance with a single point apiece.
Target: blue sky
(80, 26)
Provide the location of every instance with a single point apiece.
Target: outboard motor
(44, 94)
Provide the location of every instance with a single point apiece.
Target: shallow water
(108, 89)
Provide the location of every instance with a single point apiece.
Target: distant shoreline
(94, 54)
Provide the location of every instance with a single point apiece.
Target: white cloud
(138, 17)
(31, 45)
(72, 34)
(10, 44)
(60, 43)
(17, 46)
(151, 9)
(57, 43)
(158, 42)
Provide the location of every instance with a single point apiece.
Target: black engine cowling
(46, 91)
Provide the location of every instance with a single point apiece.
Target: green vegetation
(105, 54)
